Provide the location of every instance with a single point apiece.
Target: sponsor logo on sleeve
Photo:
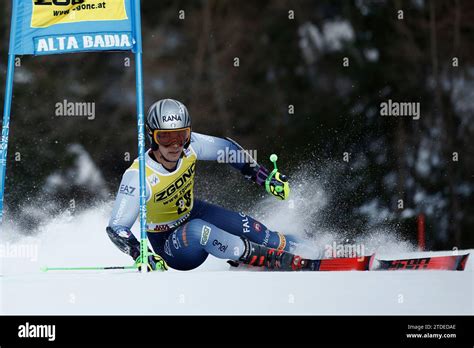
(206, 230)
(127, 190)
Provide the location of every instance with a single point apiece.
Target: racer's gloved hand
(155, 263)
(279, 186)
(126, 242)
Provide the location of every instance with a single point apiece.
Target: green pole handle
(273, 159)
(144, 254)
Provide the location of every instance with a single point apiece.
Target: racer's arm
(209, 148)
(125, 213)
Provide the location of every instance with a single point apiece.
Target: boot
(259, 255)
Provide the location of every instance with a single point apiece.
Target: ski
(366, 263)
(360, 263)
(447, 263)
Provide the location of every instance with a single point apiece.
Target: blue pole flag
(43, 27)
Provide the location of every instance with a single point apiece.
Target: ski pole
(100, 268)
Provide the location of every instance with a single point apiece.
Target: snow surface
(210, 289)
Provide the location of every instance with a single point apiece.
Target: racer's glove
(127, 243)
(155, 263)
(278, 186)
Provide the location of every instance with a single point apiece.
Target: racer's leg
(188, 246)
(240, 224)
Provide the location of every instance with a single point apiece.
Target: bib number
(184, 202)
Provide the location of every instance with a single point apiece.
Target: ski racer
(181, 229)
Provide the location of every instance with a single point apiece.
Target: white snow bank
(210, 289)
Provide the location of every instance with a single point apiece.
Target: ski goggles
(170, 137)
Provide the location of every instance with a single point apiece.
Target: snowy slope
(210, 289)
